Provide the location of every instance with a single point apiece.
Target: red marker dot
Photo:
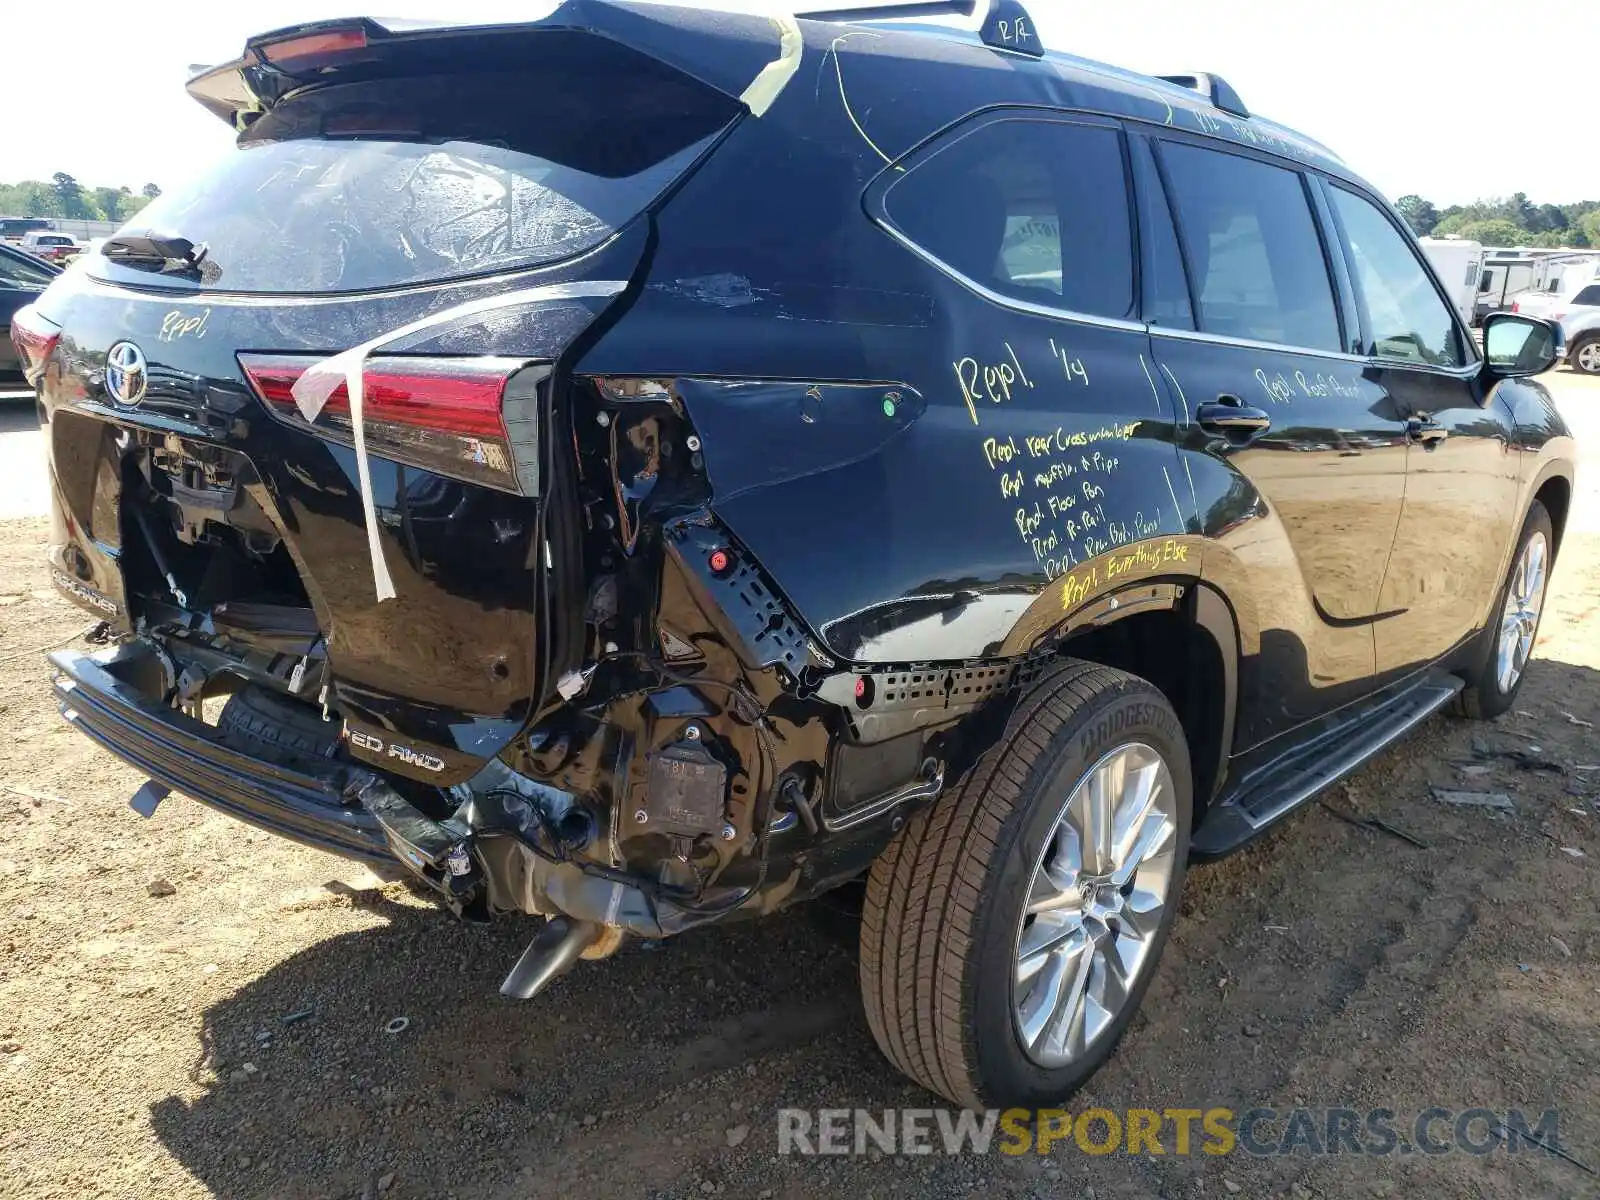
(719, 561)
(861, 687)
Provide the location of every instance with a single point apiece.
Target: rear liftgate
(653, 773)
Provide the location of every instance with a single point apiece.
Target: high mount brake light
(35, 339)
(474, 419)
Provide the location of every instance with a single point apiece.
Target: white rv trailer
(1459, 264)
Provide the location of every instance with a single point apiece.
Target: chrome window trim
(1469, 371)
(1195, 335)
(1000, 298)
(1388, 364)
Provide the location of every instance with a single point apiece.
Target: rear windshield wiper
(154, 252)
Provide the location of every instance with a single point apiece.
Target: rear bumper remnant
(96, 694)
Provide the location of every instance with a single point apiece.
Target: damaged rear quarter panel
(913, 464)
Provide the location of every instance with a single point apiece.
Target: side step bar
(1273, 793)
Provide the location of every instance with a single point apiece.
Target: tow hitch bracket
(144, 801)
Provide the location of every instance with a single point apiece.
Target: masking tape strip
(775, 76)
(312, 389)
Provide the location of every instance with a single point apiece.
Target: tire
(258, 722)
(1584, 354)
(1486, 695)
(942, 921)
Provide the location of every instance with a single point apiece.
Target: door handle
(1426, 432)
(1233, 418)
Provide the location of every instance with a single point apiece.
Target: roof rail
(890, 12)
(1009, 27)
(1006, 24)
(1214, 88)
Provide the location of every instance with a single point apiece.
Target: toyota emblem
(126, 373)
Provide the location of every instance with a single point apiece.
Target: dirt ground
(228, 1039)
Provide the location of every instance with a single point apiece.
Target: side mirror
(1515, 346)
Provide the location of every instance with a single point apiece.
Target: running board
(1238, 817)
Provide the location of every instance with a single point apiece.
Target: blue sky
(1455, 100)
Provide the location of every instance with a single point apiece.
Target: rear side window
(1408, 318)
(1589, 295)
(1035, 210)
(1253, 250)
(388, 182)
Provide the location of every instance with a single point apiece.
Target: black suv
(644, 467)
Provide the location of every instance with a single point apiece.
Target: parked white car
(1578, 312)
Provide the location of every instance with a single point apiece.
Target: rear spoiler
(748, 58)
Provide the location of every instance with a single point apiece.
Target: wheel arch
(1190, 653)
(1554, 491)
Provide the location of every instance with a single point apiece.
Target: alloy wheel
(1519, 622)
(1095, 905)
(1589, 358)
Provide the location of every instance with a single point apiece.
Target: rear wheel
(1585, 355)
(1009, 932)
(1492, 689)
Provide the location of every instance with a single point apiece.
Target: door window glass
(1409, 319)
(1253, 249)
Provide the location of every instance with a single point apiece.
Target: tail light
(308, 51)
(474, 419)
(1516, 306)
(35, 339)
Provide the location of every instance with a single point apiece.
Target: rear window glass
(1589, 295)
(1036, 210)
(390, 182)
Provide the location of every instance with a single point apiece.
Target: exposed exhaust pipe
(559, 944)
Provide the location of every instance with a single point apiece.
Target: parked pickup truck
(51, 246)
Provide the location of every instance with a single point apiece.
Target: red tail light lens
(35, 339)
(314, 49)
(454, 416)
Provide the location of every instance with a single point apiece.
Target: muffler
(559, 945)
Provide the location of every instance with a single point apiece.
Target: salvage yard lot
(146, 1045)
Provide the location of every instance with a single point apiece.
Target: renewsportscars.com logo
(1260, 1132)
